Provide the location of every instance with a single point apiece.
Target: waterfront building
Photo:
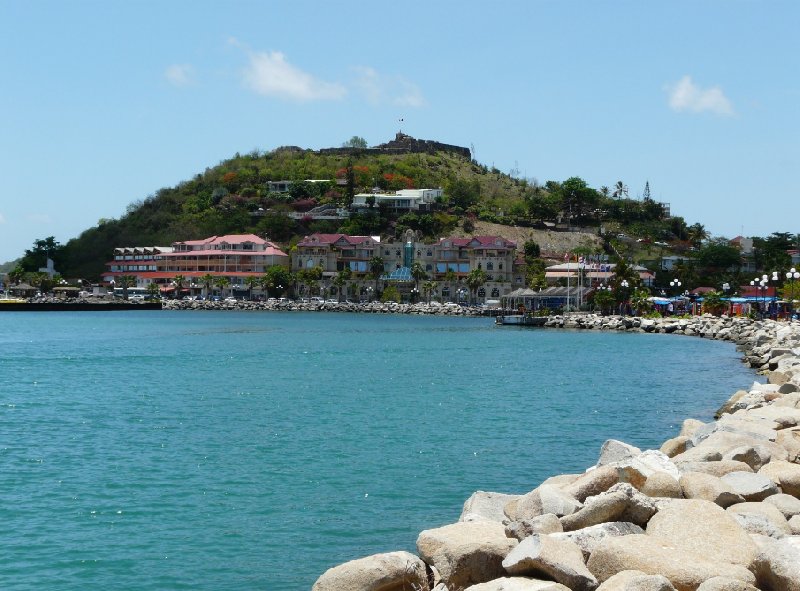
(593, 274)
(235, 256)
(403, 200)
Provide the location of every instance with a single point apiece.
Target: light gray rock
(754, 456)
(753, 487)
(635, 580)
(794, 525)
(690, 427)
(466, 553)
(696, 485)
(786, 504)
(588, 537)
(486, 505)
(392, 571)
(778, 565)
(715, 468)
(769, 512)
(558, 559)
(518, 584)
(693, 524)
(785, 474)
(725, 584)
(543, 524)
(685, 569)
(540, 501)
(616, 451)
(622, 502)
(638, 469)
(758, 524)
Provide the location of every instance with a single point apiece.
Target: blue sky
(103, 103)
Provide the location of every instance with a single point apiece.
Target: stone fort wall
(404, 144)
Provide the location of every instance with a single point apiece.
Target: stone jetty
(716, 508)
(434, 308)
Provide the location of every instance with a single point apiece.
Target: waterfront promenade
(716, 508)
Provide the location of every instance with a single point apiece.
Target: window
(429, 253)
(495, 293)
(481, 293)
(490, 266)
(428, 267)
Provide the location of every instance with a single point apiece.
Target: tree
(429, 287)
(376, 269)
(125, 281)
(355, 142)
(603, 300)
(276, 280)
(207, 281)
(450, 278)
(178, 281)
(696, 233)
(223, 283)
(475, 279)
(251, 281)
(640, 301)
(153, 291)
(531, 250)
(340, 281)
(620, 190)
(719, 256)
(713, 303)
(418, 273)
(16, 274)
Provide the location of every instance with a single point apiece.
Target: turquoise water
(236, 450)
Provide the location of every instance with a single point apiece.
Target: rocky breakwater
(433, 308)
(716, 508)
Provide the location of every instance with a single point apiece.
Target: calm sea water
(235, 450)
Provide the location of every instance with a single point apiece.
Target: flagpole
(569, 262)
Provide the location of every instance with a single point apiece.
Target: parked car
(231, 300)
(137, 297)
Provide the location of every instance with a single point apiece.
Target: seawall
(716, 508)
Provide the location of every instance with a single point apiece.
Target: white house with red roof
(235, 256)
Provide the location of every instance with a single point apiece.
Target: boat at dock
(520, 320)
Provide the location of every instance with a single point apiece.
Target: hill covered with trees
(235, 196)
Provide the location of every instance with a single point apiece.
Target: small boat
(520, 320)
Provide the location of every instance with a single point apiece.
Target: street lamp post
(624, 285)
(414, 294)
(792, 275)
(725, 288)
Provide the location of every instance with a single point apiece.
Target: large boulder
(662, 484)
(753, 487)
(725, 584)
(685, 569)
(486, 505)
(676, 445)
(637, 469)
(592, 482)
(636, 580)
(778, 564)
(588, 537)
(713, 467)
(754, 456)
(558, 559)
(785, 474)
(703, 528)
(616, 451)
(787, 504)
(622, 502)
(392, 571)
(518, 584)
(696, 485)
(542, 500)
(466, 553)
(769, 512)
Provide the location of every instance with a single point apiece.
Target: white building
(403, 200)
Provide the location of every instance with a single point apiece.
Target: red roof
(329, 239)
(270, 251)
(227, 239)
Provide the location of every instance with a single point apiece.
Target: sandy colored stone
(754, 456)
(676, 445)
(690, 426)
(635, 580)
(518, 584)
(542, 500)
(794, 525)
(716, 468)
(543, 524)
(696, 485)
(725, 584)
(622, 502)
(785, 474)
(787, 504)
(588, 537)
(753, 487)
(789, 439)
(662, 484)
(466, 553)
(766, 510)
(636, 470)
(703, 528)
(592, 483)
(685, 569)
(392, 571)
(558, 559)
(486, 505)
(778, 565)
(613, 451)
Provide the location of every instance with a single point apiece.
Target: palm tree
(178, 281)
(376, 268)
(620, 190)
(251, 282)
(16, 275)
(450, 278)
(713, 303)
(208, 281)
(429, 287)
(640, 301)
(125, 281)
(222, 283)
(603, 300)
(418, 273)
(340, 281)
(696, 233)
(152, 290)
(475, 279)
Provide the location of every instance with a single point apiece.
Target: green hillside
(233, 197)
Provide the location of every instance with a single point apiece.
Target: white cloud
(686, 96)
(179, 75)
(392, 89)
(269, 74)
